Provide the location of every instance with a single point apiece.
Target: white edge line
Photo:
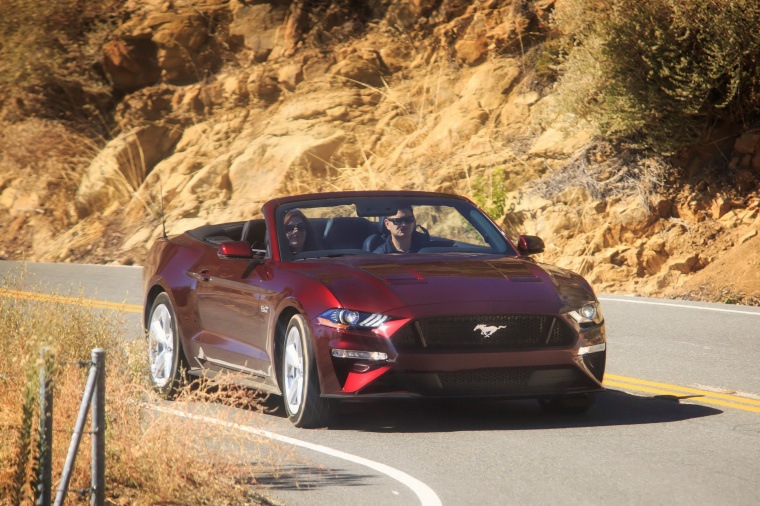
(425, 494)
(681, 306)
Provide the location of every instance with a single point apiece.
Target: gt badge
(488, 330)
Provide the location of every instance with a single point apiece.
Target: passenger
(299, 232)
(403, 237)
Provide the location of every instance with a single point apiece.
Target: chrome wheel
(165, 359)
(299, 378)
(294, 370)
(161, 345)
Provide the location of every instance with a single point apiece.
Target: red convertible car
(365, 295)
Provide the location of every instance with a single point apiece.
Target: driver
(403, 237)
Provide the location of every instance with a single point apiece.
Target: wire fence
(93, 399)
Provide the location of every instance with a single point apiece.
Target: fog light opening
(360, 367)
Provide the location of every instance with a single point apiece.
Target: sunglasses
(404, 220)
(295, 227)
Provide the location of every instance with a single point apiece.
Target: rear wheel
(299, 379)
(167, 364)
(570, 405)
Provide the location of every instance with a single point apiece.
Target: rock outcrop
(228, 103)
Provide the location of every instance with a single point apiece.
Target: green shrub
(490, 191)
(661, 72)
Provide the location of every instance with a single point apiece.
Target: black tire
(299, 379)
(568, 405)
(166, 359)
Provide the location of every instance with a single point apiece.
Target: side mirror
(235, 249)
(530, 245)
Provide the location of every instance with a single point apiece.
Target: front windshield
(366, 225)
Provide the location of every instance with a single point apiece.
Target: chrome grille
(487, 332)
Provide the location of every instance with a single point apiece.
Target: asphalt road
(679, 423)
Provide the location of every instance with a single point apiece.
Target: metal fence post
(98, 490)
(68, 466)
(44, 487)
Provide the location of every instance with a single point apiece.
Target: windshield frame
(382, 206)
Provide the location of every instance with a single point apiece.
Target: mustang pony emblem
(488, 330)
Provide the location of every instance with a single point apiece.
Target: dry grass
(624, 175)
(151, 457)
(38, 145)
(721, 296)
(42, 161)
(45, 54)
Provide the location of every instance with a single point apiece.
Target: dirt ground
(732, 278)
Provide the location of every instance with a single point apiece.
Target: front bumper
(411, 372)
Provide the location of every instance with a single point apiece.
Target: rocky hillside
(218, 105)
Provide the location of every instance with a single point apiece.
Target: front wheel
(299, 379)
(167, 365)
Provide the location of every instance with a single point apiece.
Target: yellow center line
(687, 393)
(611, 380)
(704, 400)
(634, 383)
(60, 299)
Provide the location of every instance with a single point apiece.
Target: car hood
(378, 283)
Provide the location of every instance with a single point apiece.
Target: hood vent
(394, 274)
(525, 279)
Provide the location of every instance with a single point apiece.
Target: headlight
(350, 319)
(588, 314)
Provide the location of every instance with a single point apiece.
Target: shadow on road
(303, 477)
(613, 407)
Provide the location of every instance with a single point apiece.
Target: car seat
(254, 231)
(347, 232)
(375, 240)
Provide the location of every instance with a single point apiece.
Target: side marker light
(585, 350)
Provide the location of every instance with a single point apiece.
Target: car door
(229, 307)
(228, 294)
